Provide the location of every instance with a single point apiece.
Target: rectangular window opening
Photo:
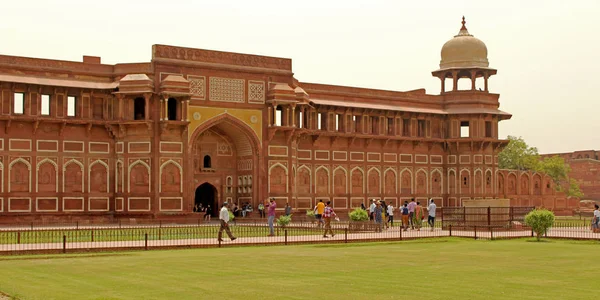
(464, 129)
(319, 121)
(421, 128)
(45, 109)
(19, 103)
(71, 101)
(488, 129)
(390, 126)
(406, 127)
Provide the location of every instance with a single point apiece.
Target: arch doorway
(206, 194)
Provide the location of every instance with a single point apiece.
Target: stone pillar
(166, 108)
(454, 80)
(160, 110)
(187, 109)
(120, 98)
(443, 84)
(473, 79)
(270, 116)
(147, 107)
(293, 115)
(485, 79)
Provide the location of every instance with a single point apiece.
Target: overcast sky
(546, 52)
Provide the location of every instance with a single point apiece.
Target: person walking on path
(271, 215)
(405, 216)
(261, 210)
(327, 214)
(372, 210)
(411, 213)
(390, 210)
(288, 209)
(207, 213)
(224, 219)
(418, 216)
(377, 216)
(596, 220)
(319, 210)
(431, 210)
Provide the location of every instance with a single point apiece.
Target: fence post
(489, 216)
(64, 243)
(159, 233)
(400, 233)
(146, 241)
(77, 224)
(531, 232)
(285, 233)
(159, 223)
(92, 235)
(18, 237)
(346, 235)
(450, 227)
(119, 223)
(31, 225)
(475, 230)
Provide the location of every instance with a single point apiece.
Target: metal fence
(470, 217)
(145, 237)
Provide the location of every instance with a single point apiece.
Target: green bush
(358, 215)
(231, 216)
(310, 213)
(540, 220)
(284, 220)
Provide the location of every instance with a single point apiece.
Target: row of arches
(47, 174)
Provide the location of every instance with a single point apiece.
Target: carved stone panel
(46, 176)
(139, 179)
(390, 182)
(98, 181)
(421, 184)
(19, 177)
(303, 181)
(357, 182)
(170, 178)
(436, 183)
(73, 174)
(339, 181)
(277, 180)
(405, 183)
(322, 182)
(374, 182)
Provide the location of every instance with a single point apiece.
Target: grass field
(424, 269)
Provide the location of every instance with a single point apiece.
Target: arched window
(279, 116)
(172, 107)
(207, 162)
(139, 109)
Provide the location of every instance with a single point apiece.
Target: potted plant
(359, 220)
(283, 221)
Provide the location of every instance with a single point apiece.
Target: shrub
(231, 216)
(284, 220)
(310, 213)
(358, 215)
(540, 220)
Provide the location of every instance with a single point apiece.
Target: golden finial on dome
(463, 24)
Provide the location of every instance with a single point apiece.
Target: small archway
(207, 162)
(207, 196)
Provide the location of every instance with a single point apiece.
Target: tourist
(596, 220)
(236, 210)
(207, 213)
(261, 210)
(248, 208)
(390, 210)
(271, 214)
(362, 206)
(372, 210)
(288, 209)
(319, 210)
(431, 210)
(405, 215)
(419, 216)
(224, 219)
(411, 213)
(377, 216)
(327, 214)
(384, 215)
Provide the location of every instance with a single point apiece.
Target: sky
(546, 52)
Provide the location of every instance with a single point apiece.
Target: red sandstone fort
(90, 140)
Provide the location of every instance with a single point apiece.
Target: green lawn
(421, 269)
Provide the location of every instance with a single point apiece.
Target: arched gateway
(224, 154)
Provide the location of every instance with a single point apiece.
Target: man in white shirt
(224, 218)
(372, 210)
(390, 210)
(431, 218)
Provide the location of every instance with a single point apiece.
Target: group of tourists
(244, 210)
(207, 210)
(412, 214)
(323, 214)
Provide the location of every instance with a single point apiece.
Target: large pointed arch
(131, 166)
(105, 165)
(362, 179)
(385, 182)
(10, 167)
(81, 168)
(285, 170)
(369, 191)
(345, 178)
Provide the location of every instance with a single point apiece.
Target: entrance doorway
(206, 195)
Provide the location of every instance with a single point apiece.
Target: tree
(540, 220)
(517, 155)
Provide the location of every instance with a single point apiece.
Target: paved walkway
(393, 234)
